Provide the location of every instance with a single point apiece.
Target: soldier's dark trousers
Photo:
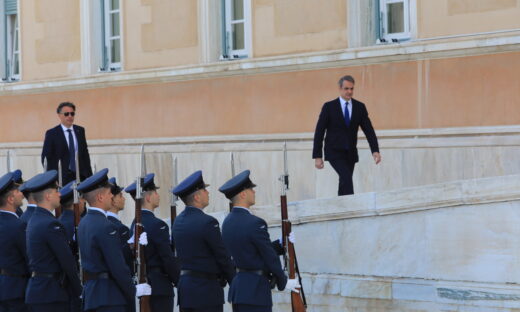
(50, 307)
(16, 305)
(251, 308)
(121, 308)
(161, 303)
(218, 308)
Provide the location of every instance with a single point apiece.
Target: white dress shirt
(66, 133)
(349, 105)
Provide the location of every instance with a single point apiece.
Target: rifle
(298, 302)
(77, 217)
(174, 198)
(60, 185)
(8, 159)
(144, 301)
(232, 175)
(44, 164)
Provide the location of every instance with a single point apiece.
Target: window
(394, 20)
(11, 41)
(111, 30)
(237, 27)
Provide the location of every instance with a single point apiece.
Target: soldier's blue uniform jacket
(161, 268)
(27, 214)
(200, 249)
(49, 253)
(14, 272)
(67, 216)
(100, 248)
(247, 239)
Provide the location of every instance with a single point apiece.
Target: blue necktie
(347, 117)
(72, 154)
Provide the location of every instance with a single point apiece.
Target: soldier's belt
(89, 276)
(206, 275)
(56, 275)
(8, 273)
(257, 272)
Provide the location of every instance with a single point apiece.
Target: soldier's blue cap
(41, 182)
(66, 192)
(95, 181)
(114, 188)
(237, 184)
(148, 185)
(6, 182)
(189, 185)
(17, 176)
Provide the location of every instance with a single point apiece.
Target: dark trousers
(50, 307)
(75, 304)
(15, 305)
(251, 308)
(121, 308)
(345, 169)
(161, 303)
(218, 308)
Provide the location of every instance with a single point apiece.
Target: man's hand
(143, 290)
(292, 285)
(377, 157)
(318, 163)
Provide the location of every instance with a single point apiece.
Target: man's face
(251, 196)
(154, 198)
(347, 90)
(203, 195)
(54, 197)
(67, 121)
(118, 202)
(17, 198)
(105, 197)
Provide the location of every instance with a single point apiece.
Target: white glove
(292, 285)
(143, 290)
(143, 239)
(292, 237)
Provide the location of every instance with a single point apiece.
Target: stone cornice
(407, 51)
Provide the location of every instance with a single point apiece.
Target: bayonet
(44, 164)
(8, 159)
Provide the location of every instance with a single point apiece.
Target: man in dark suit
(206, 265)
(63, 141)
(340, 119)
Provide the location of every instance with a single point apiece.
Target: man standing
(247, 239)
(54, 276)
(340, 119)
(14, 272)
(108, 283)
(63, 141)
(161, 268)
(206, 266)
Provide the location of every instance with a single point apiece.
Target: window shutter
(11, 7)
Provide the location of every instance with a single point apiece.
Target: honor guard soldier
(31, 203)
(161, 268)
(108, 284)
(67, 219)
(206, 266)
(67, 209)
(17, 178)
(54, 277)
(13, 257)
(247, 239)
(118, 204)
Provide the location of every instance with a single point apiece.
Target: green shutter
(11, 7)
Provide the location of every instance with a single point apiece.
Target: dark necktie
(347, 117)
(72, 152)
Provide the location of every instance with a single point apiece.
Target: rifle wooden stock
(144, 301)
(297, 300)
(173, 215)
(74, 243)
(57, 211)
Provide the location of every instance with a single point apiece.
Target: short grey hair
(346, 78)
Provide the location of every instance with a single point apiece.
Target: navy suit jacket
(49, 252)
(247, 239)
(100, 249)
(200, 248)
(13, 257)
(55, 148)
(339, 138)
